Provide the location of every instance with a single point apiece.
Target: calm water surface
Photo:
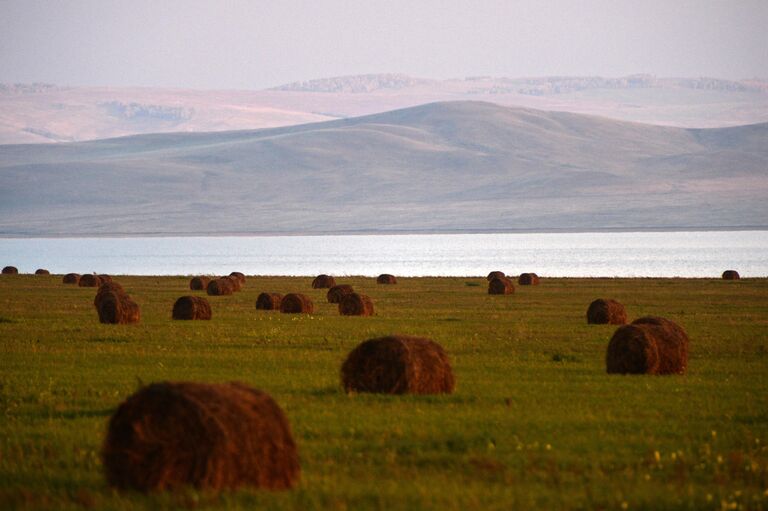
(626, 254)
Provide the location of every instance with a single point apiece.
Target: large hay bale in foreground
(501, 286)
(239, 276)
(199, 283)
(386, 278)
(606, 311)
(106, 288)
(495, 275)
(269, 301)
(731, 275)
(191, 307)
(42, 271)
(293, 303)
(398, 365)
(10, 270)
(528, 279)
(208, 436)
(71, 278)
(323, 282)
(356, 304)
(220, 287)
(649, 345)
(118, 309)
(336, 293)
(89, 280)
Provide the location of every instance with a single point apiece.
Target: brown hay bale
(269, 301)
(386, 278)
(10, 270)
(323, 282)
(356, 304)
(199, 283)
(105, 288)
(236, 286)
(42, 271)
(501, 286)
(117, 308)
(71, 278)
(105, 278)
(611, 312)
(398, 365)
(650, 345)
(220, 287)
(335, 294)
(296, 303)
(528, 279)
(731, 275)
(495, 275)
(209, 436)
(89, 280)
(239, 276)
(191, 307)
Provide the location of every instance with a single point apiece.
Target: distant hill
(453, 166)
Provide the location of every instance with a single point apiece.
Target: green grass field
(534, 423)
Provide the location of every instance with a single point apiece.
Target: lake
(614, 254)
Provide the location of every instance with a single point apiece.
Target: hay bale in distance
(731, 275)
(269, 301)
(105, 288)
(386, 278)
(10, 270)
(210, 436)
(71, 278)
(239, 276)
(356, 304)
(199, 283)
(398, 365)
(501, 286)
(294, 303)
(191, 307)
(42, 271)
(495, 275)
(528, 279)
(236, 285)
(606, 311)
(323, 282)
(220, 287)
(89, 280)
(117, 308)
(104, 278)
(649, 345)
(336, 293)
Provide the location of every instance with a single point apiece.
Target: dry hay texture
(239, 276)
(71, 278)
(10, 270)
(398, 365)
(606, 311)
(220, 287)
(105, 278)
(296, 303)
(236, 284)
(191, 307)
(323, 282)
(495, 275)
(106, 288)
(528, 279)
(199, 283)
(356, 304)
(501, 286)
(42, 271)
(731, 275)
(89, 280)
(336, 293)
(649, 345)
(118, 309)
(209, 436)
(386, 278)
(269, 301)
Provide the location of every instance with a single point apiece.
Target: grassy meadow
(535, 423)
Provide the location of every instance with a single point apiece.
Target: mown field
(535, 423)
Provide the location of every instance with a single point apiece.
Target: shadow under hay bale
(208, 436)
(528, 279)
(89, 280)
(239, 276)
(199, 283)
(501, 286)
(731, 275)
(495, 275)
(191, 307)
(323, 282)
(42, 271)
(71, 278)
(606, 311)
(118, 309)
(398, 365)
(356, 304)
(10, 270)
(386, 278)
(220, 287)
(336, 293)
(269, 301)
(649, 345)
(294, 303)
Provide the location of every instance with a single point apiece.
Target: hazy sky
(255, 44)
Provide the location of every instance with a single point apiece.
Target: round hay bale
(105, 288)
(356, 304)
(269, 301)
(89, 280)
(323, 282)
(386, 278)
(210, 436)
(118, 309)
(220, 287)
(236, 285)
(293, 303)
(649, 345)
(606, 311)
(501, 286)
(71, 278)
(495, 275)
(199, 283)
(731, 275)
(42, 271)
(528, 279)
(191, 307)
(105, 278)
(239, 276)
(10, 270)
(336, 293)
(398, 365)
